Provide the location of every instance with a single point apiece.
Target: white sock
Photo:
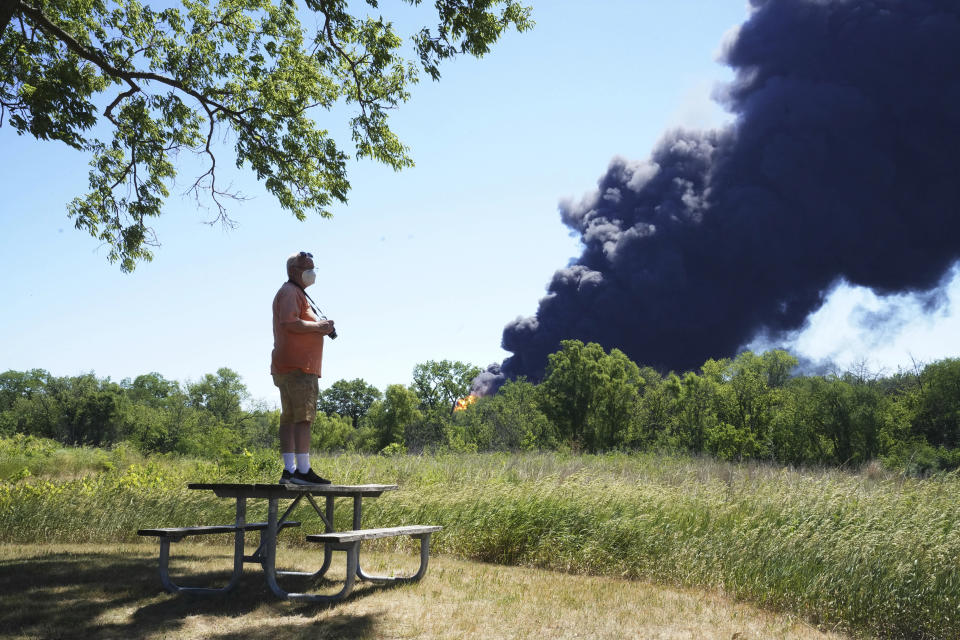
(303, 462)
(290, 461)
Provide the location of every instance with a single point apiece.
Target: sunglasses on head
(304, 254)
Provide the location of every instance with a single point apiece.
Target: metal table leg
(424, 552)
(327, 551)
(257, 556)
(328, 526)
(421, 571)
(270, 555)
(238, 542)
(357, 524)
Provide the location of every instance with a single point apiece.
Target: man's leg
(287, 431)
(301, 431)
(287, 441)
(304, 395)
(288, 447)
(305, 403)
(301, 437)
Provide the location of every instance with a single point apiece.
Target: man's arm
(306, 326)
(291, 321)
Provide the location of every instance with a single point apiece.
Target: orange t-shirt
(293, 351)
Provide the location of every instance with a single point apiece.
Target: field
(870, 553)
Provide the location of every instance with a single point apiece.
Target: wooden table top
(259, 490)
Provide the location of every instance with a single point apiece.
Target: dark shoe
(309, 477)
(286, 477)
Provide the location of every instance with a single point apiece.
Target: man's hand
(325, 326)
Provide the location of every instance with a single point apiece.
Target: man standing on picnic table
(297, 352)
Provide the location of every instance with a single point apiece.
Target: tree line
(751, 407)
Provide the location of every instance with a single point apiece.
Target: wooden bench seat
(178, 533)
(372, 534)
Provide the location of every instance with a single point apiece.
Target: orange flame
(463, 403)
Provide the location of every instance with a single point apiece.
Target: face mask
(309, 277)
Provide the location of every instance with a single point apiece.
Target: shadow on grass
(114, 594)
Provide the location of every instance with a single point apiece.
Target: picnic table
(266, 553)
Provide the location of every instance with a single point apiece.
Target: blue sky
(428, 263)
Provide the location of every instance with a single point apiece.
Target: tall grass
(878, 554)
(872, 552)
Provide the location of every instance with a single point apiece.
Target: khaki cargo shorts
(298, 396)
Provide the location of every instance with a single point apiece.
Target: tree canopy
(135, 86)
(349, 399)
(438, 384)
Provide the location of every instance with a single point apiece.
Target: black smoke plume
(841, 162)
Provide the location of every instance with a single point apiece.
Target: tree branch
(124, 173)
(98, 59)
(211, 172)
(108, 112)
(212, 107)
(343, 54)
(7, 9)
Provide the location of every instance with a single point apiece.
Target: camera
(332, 335)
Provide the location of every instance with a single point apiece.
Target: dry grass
(871, 553)
(95, 591)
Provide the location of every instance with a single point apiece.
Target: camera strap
(313, 305)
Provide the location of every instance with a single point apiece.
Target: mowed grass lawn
(113, 591)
